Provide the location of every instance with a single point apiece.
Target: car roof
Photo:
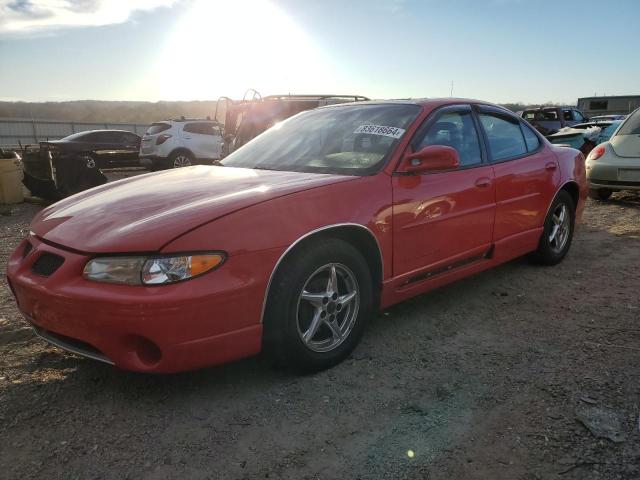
(538, 109)
(422, 102)
(104, 130)
(183, 120)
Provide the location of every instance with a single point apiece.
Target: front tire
(558, 230)
(318, 306)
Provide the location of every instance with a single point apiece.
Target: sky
(495, 50)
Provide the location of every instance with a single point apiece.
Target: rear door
(203, 139)
(526, 177)
(444, 219)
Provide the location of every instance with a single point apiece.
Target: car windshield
(350, 139)
(631, 125)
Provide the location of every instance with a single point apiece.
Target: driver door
(444, 219)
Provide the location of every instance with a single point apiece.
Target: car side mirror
(432, 158)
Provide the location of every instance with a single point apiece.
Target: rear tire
(558, 230)
(180, 159)
(319, 328)
(601, 194)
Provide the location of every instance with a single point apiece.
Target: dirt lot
(484, 379)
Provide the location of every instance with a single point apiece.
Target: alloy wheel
(181, 161)
(327, 307)
(560, 228)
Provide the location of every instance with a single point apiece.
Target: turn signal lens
(596, 153)
(157, 271)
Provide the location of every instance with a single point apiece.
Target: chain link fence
(27, 132)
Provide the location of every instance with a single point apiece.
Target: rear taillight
(162, 138)
(596, 153)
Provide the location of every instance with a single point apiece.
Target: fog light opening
(146, 351)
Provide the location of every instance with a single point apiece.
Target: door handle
(188, 138)
(551, 166)
(483, 182)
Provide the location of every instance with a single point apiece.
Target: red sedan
(302, 233)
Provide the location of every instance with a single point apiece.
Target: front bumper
(205, 321)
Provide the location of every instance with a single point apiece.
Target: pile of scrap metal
(247, 118)
(585, 136)
(55, 177)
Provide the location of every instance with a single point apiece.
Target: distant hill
(126, 112)
(107, 111)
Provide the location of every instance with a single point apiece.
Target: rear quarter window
(156, 128)
(631, 125)
(530, 138)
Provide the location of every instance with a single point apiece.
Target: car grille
(47, 264)
(71, 344)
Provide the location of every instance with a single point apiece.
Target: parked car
(607, 118)
(299, 235)
(181, 143)
(99, 148)
(585, 136)
(615, 165)
(548, 120)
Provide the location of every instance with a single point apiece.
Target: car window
(350, 139)
(504, 136)
(530, 138)
(577, 116)
(131, 138)
(93, 137)
(156, 128)
(567, 114)
(631, 125)
(457, 130)
(529, 115)
(111, 137)
(547, 115)
(202, 128)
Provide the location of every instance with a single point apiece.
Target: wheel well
(573, 190)
(180, 149)
(358, 236)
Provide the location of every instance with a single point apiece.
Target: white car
(615, 165)
(180, 143)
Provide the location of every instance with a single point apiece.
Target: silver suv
(181, 143)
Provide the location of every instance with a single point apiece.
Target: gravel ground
(494, 377)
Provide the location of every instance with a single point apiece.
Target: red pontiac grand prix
(293, 242)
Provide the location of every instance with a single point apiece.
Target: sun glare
(225, 47)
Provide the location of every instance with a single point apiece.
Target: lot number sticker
(392, 132)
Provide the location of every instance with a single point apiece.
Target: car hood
(144, 213)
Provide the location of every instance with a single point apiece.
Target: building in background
(617, 105)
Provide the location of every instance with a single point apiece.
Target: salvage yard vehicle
(585, 136)
(615, 165)
(548, 120)
(247, 118)
(297, 237)
(99, 148)
(181, 143)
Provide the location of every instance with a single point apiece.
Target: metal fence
(14, 131)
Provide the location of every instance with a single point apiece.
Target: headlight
(151, 270)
